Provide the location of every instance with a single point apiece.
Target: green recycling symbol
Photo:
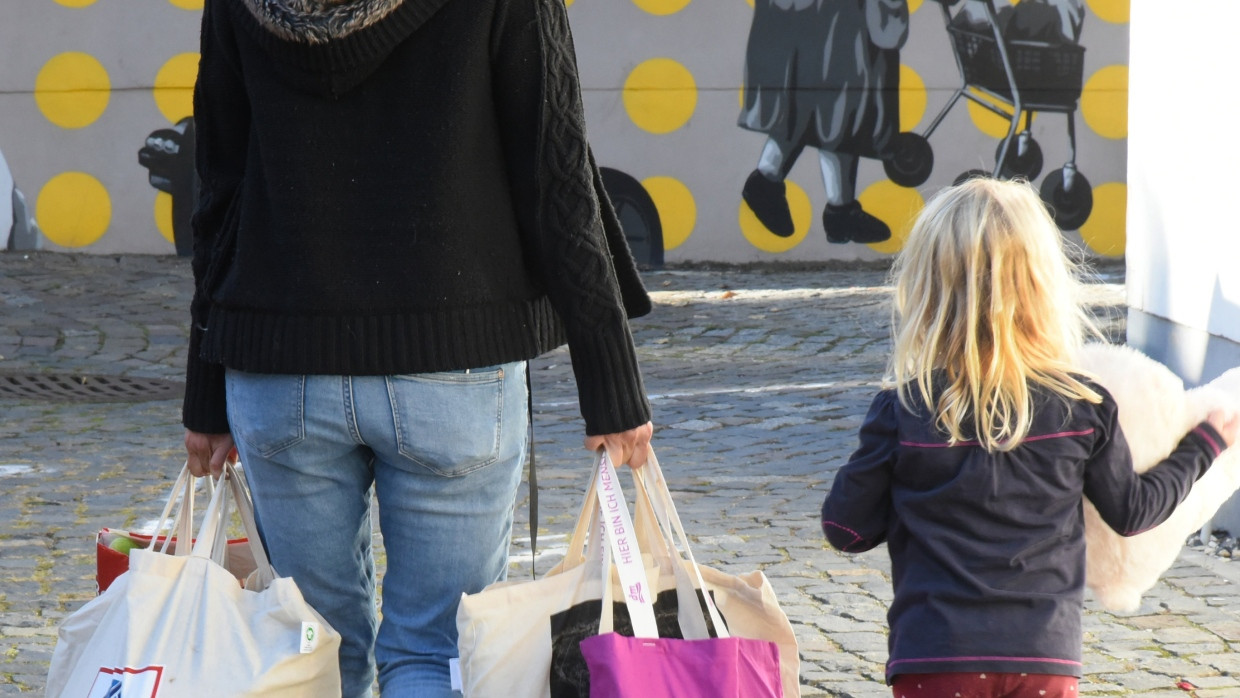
(309, 633)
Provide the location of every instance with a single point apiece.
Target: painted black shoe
(767, 201)
(849, 223)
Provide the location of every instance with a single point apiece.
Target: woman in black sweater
(399, 208)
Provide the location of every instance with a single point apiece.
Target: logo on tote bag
(127, 682)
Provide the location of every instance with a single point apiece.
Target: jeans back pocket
(266, 411)
(451, 422)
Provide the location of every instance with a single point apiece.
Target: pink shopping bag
(707, 665)
(724, 667)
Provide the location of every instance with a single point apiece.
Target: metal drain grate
(85, 388)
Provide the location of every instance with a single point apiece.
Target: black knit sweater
(402, 186)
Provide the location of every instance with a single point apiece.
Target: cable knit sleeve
(221, 119)
(573, 239)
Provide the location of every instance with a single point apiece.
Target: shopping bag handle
(182, 525)
(651, 481)
(583, 544)
(264, 573)
(623, 550)
(212, 539)
(614, 525)
(586, 518)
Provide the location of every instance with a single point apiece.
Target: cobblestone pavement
(758, 377)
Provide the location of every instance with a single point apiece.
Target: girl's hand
(1226, 423)
(625, 447)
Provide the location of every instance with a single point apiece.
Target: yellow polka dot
(174, 87)
(1105, 232)
(568, 3)
(894, 205)
(661, 7)
(73, 209)
(75, 3)
(677, 209)
(765, 240)
(1104, 102)
(163, 215)
(197, 4)
(72, 90)
(913, 6)
(912, 98)
(1115, 11)
(660, 95)
(988, 122)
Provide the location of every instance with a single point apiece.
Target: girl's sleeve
(572, 240)
(857, 510)
(221, 123)
(1131, 503)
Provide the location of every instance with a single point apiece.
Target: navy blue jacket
(988, 549)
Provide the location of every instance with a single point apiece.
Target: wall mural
(168, 156)
(991, 87)
(700, 134)
(825, 74)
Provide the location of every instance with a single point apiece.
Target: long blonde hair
(986, 297)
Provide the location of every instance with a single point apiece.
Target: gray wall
(1183, 284)
(694, 172)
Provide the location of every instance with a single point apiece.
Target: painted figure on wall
(168, 156)
(822, 74)
(17, 227)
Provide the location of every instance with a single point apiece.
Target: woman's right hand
(625, 448)
(1226, 423)
(206, 453)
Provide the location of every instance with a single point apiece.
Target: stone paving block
(1228, 630)
(1096, 663)
(1140, 680)
(860, 642)
(1186, 635)
(1225, 662)
(1178, 667)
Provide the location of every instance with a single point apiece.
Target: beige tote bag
(180, 626)
(512, 634)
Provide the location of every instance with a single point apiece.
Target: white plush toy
(1155, 412)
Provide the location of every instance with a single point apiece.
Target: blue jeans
(444, 454)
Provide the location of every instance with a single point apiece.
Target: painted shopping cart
(1014, 78)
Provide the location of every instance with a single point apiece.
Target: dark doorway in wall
(639, 218)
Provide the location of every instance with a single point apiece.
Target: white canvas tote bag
(182, 626)
(512, 634)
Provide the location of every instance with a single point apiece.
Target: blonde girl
(973, 464)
